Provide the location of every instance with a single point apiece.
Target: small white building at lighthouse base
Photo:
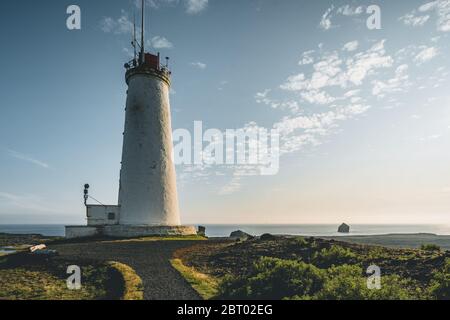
(104, 221)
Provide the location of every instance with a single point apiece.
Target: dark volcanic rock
(241, 235)
(268, 237)
(344, 228)
(23, 239)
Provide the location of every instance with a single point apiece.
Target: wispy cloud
(351, 46)
(398, 83)
(120, 25)
(333, 71)
(198, 65)
(410, 19)
(159, 42)
(124, 25)
(222, 85)
(420, 16)
(307, 58)
(337, 71)
(231, 187)
(345, 11)
(27, 158)
(325, 22)
(191, 6)
(29, 202)
(196, 6)
(426, 54)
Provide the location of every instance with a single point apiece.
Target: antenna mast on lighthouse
(134, 42)
(142, 54)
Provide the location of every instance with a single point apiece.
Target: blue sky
(364, 115)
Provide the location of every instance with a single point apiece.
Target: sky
(363, 114)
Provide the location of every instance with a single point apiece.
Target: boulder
(240, 235)
(268, 237)
(344, 228)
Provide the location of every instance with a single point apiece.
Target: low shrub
(440, 284)
(275, 279)
(349, 283)
(430, 247)
(301, 242)
(336, 255)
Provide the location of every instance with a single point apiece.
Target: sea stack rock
(344, 228)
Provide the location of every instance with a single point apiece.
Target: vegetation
(287, 279)
(18, 240)
(40, 283)
(336, 255)
(317, 269)
(206, 286)
(28, 277)
(430, 247)
(274, 279)
(440, 284)
(133, 286)
(348, 282)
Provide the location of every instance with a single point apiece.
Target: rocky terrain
(220, 259)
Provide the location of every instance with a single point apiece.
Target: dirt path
(150, 260)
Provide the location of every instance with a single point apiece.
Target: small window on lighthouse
(111, 216)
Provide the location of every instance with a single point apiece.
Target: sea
(215, 230)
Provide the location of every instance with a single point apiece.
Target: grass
(28, 284)
(28, 277)
(162, 238)
(133, 286)
(206, 286)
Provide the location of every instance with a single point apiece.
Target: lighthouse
(148, 191)
(148, 199)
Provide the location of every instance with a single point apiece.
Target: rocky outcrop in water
(344, 228)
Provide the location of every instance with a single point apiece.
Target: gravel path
(150, 260)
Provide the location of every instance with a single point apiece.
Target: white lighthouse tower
(148, 191)
(148, 199)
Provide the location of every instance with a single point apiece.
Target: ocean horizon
(224, 230)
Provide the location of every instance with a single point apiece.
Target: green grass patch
(33, 284)
(133, 286)
(24, 276)
(206, 286)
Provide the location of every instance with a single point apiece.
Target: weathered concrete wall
(99, 215)
(148, 192)
(122, 231)
(74, 232)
